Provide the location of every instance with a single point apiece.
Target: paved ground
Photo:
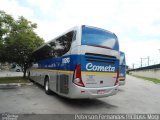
(10, 74)
(137, 96)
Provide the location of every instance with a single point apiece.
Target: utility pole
(159, 50)
(133, 65)
(148, 60)
(141, 62)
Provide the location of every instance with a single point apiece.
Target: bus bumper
(121, 83)
(82, 92)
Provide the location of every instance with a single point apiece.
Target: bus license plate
(100, 91)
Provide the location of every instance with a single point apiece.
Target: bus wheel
(46, 86)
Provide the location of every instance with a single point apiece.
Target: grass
(14, 80)
(157, 81)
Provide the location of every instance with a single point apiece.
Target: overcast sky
(135, 22)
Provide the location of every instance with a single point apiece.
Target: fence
(149, 71)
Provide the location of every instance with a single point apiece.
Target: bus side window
(64, 43)
(56, 48)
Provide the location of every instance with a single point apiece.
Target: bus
(122, 66)
(81, 63)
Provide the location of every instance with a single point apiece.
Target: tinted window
(55, 48)
(95, 36)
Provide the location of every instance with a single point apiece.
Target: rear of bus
(96, 65)
(122, 67)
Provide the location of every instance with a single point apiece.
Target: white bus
(122, 69)
(81, 63)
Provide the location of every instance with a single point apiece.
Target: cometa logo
(91, 67)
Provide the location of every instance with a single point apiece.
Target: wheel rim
(46, 86)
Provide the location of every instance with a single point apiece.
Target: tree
(5, 27)
(18, 40)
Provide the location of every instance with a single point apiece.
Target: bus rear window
(122, 59)
(99, 37)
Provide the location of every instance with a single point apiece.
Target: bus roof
(73, 28)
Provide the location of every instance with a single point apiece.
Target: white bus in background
(81, 63)
(122, 69)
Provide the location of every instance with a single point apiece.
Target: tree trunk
(24, 71)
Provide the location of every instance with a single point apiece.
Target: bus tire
(46, 86)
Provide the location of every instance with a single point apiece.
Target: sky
(135, 22)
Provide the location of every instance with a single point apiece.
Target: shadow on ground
(80, 103)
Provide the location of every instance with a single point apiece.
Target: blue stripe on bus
(71, 61)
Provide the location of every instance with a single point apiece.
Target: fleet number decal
(66, 60)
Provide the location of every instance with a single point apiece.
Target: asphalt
(13, 85)
(137, 96)
(10, 73)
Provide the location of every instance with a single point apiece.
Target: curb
(13, 85)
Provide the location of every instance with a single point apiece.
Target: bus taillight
(117, 79)
(77, 76)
